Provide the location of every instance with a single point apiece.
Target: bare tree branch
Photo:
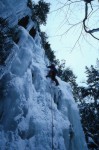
(68, 2)
(84, 23)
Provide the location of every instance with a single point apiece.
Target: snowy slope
(34, 113)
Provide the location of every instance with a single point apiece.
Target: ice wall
(34, 113)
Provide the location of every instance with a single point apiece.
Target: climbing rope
(52, 120)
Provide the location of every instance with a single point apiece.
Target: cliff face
(34, 113)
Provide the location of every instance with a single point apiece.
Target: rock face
(34, 113)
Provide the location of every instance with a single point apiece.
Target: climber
(52, 73)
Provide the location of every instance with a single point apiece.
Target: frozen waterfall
(34, 113)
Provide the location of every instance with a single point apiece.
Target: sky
(85, 52)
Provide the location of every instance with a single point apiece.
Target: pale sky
(84, 53)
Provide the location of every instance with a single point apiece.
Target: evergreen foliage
(90, 121)
(92, 84)
(90, 111)
(61, 67)
(49, 52)
(30, 4)
(47, 47)
(68, 76)
(39, 11)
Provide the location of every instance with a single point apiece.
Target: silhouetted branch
(84, 23)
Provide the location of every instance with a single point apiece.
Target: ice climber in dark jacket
(52, 73)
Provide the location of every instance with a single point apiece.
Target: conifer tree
(69, 76)
(90, 111)
(93, 83)
(47, 47)
(40, 11)
(90, 123)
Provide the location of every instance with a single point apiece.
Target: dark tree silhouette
(39, 11)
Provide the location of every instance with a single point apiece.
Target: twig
(84, 23)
